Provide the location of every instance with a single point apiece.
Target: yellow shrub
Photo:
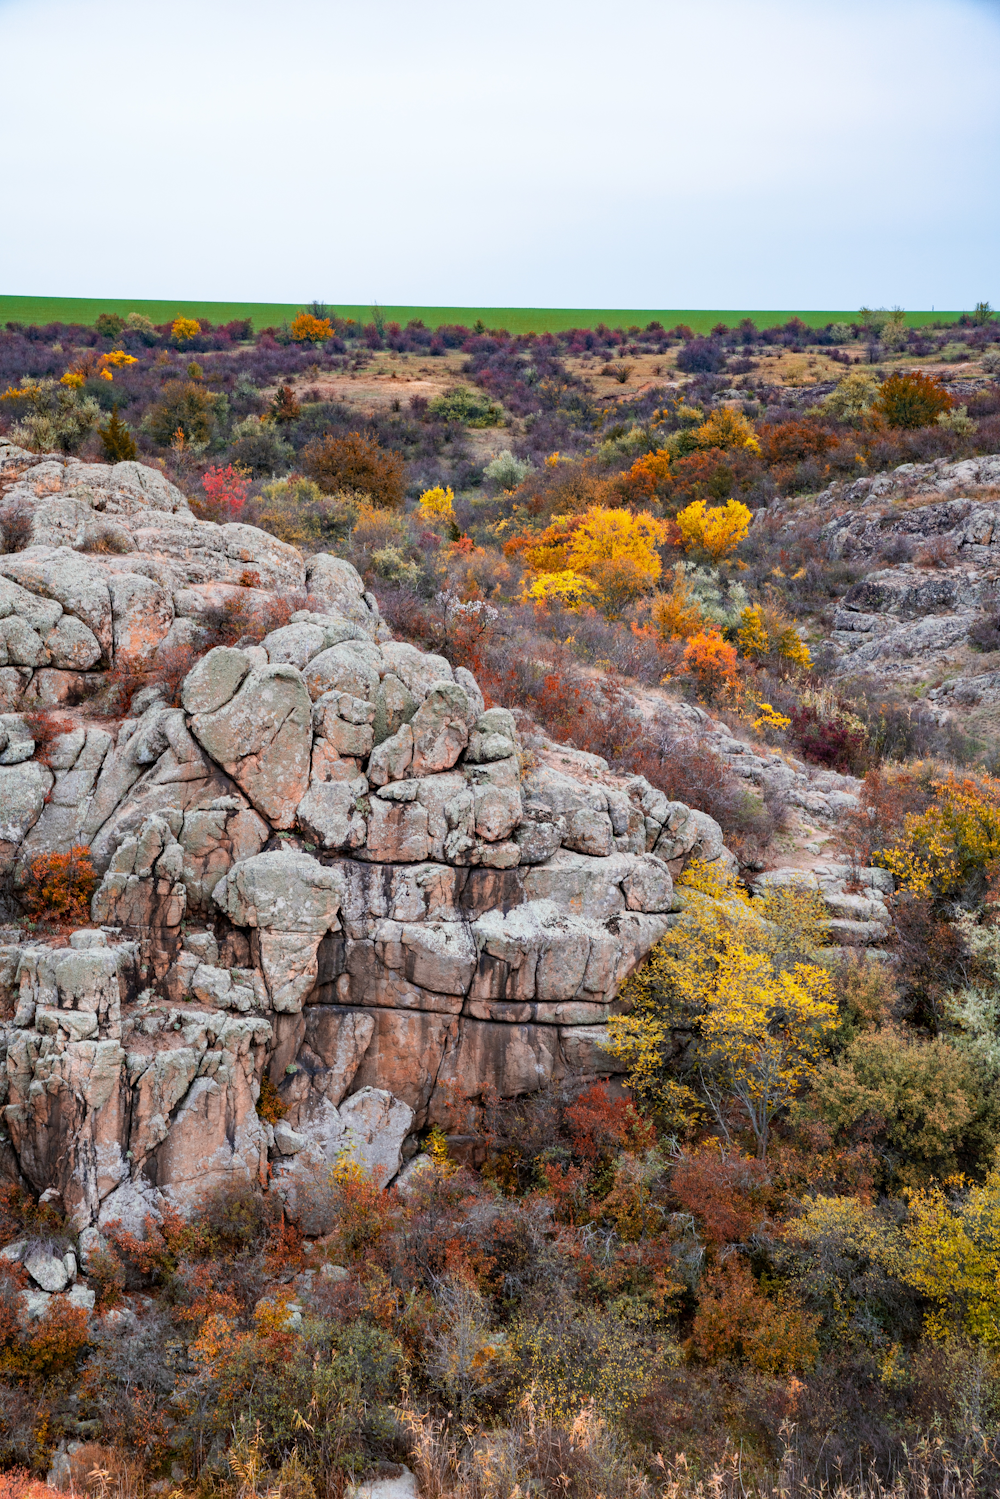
(726, 428)
(714, 529)
(766, 631)
(569, 589)
(758, 1018)
(184, 328)
(954, 841)
(308, 329)
(953, 1258)
(437, 504)
(605, 535)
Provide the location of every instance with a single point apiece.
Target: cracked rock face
(324, 861)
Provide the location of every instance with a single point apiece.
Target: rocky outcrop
(323, 861)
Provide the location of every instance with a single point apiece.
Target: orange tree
(912, 400)
(309, 329)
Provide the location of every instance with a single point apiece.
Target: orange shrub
(312, 330)
(790, 442)
(59, 887)
(913, 400)
(712, 660)
(726, 1194)
(736, 1321)
(648, 477)
(56, 1341)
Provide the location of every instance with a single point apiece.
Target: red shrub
(728, 1195)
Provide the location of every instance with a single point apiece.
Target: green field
(514, 319)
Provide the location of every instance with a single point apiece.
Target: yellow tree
(716, 530)
(720, 1002)
(953, 1258)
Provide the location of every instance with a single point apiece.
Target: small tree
(183, 329)
(117, 440)
(227, 489)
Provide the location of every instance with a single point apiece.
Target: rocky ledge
(324, 861)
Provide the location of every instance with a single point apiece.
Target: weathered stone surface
(214, 680)
(262, 737)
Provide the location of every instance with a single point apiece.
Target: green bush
(470, 407)
(506, 471)
(54, 417)
(186, 406)
(256, 444)
(923, 1104)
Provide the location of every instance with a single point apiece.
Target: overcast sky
(640, 153)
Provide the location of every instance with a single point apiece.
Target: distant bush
(506, 471)
(53, 417)
(470, 407)
(309, 329)
(185, 406)
(701, 356)
(297, 511)
(359, 465)
(256, 444)
(183, 329)
(108, 324)
(116, 440)
(912, 400)
(853, 397)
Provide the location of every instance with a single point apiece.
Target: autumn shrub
(834, 741)
(58, 887)
(912, 400)
(766, 634)
(714, 530)
(305, 328)
(954, 844)
(677, 613)
(726, 429)
(753, 1025)
(50, 416)
(791, 441)
(356, 464)
(736, 1321)
(183, 329)
(226, 488)
(727, 1193)
(711, 661)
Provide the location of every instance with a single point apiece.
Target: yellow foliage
(727, 428)
(437, 504)
(678, 615)
(569, 589)
(119, 358)
(752, 634)
(72, 378)
(770, 718)
(184, 328)
(766, 631)
(605, 535)
(760, 1019)
(309, 329)
(956, 839)
(953, 1258)
(714, 529)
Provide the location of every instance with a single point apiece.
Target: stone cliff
(323, 860)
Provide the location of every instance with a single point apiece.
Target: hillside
(499, 841)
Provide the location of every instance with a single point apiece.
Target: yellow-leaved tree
(728, 1011)
(765, 631)
(716, 530)
(437, 504)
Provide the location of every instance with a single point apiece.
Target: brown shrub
(45, 727)
(358, 465)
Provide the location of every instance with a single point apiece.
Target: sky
(641, 154)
